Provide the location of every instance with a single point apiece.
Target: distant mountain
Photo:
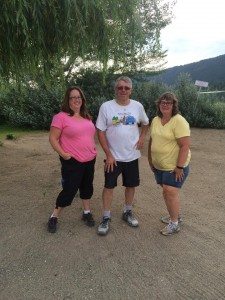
(211, 70)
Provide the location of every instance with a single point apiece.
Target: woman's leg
(172, 200)
(71, 177)
(56, 212)
(72, 173)
(86, 185)
(86, 204)
(86, 192)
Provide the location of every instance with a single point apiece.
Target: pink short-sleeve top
(77, 136)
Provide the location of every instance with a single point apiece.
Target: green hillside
(211, 70)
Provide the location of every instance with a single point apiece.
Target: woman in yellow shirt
(169, 156)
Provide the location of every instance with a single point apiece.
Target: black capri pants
(75, 176)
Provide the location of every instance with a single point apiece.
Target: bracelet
(181, 168)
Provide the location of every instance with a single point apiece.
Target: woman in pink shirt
(72, 137)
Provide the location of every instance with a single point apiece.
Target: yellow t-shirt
(164, 148)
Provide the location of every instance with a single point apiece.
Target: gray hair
(123, 78)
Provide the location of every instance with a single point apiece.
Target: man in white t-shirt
(118, 133)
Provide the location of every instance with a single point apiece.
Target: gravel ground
(129, 263)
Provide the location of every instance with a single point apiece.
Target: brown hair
(66, 107)
(169, 97)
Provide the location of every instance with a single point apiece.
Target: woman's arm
(150, 155)
(184, 144)
(54, 136)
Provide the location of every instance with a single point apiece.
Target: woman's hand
(66, 156)
(152, 167)
(179, 174)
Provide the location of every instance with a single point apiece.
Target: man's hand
(109, 163)
(140, 143)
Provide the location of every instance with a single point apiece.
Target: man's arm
(110, 160)
(144, 130)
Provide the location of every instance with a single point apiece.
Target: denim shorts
(168, 177)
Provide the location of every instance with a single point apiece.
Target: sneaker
(170, 229)
(129, 218)
(88, 219)
(103, 228)
(52, 224)
(167, 219)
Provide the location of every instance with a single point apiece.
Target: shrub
(31, 107)
(10, 136)
(93, 106)
(210, 115)
(199, 110)
(187, 95)
(147, 93)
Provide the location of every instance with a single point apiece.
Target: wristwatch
(178, 167)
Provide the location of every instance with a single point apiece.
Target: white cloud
(196, 31)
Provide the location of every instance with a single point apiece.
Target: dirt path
(76, 263)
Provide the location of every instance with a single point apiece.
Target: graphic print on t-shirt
(123, 118)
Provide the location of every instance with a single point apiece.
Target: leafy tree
(35, 33)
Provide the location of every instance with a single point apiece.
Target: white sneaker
(103, 228)
(167, 220)
(129, 218)
(170, 229)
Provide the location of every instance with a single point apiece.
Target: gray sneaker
(167, 219)
(170, 229)
(129, 218)
(103, 228)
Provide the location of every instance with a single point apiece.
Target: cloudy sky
(197, 32)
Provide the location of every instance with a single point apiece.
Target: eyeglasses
(166, 103)
(75, 98)
(121, 88)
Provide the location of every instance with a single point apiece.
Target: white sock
(127, 207)
(87, 211)
(174, 223)
(53, 216)
(107, 214)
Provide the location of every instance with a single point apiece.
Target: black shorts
(129, 171)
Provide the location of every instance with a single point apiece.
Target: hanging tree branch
(32, 33)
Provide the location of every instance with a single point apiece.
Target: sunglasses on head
(126, 88)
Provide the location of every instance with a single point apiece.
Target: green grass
(16, 132)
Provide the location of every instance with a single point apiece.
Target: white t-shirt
(121, 126)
